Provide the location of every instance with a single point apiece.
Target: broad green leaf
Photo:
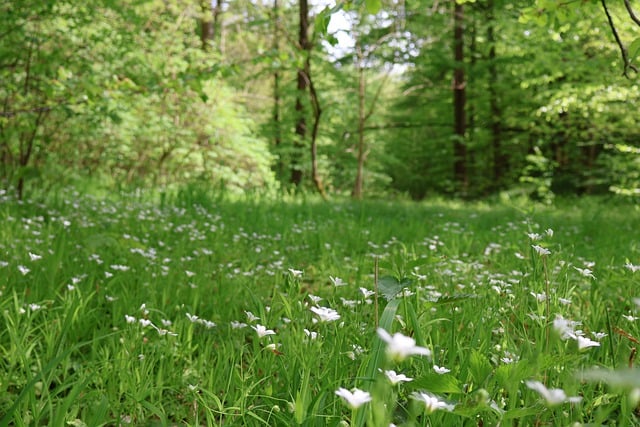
(389, 287)
(437, 383)
(479, 367)
(634, 49)
(322, 21)
(509, 374)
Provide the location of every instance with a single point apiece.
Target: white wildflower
(326, 314)
(262, 331)
(441, 369)
(251, 316)
(295, 273)
(395, 378)
(337, 281)
(584, 343)
(354, 399)
(552, 397)
(431, 402)
(540, 250)
(399, 346)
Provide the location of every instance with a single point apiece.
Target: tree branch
(42, 109)
(631, 13)
(623, 51)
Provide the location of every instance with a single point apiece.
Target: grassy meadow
(195, 309)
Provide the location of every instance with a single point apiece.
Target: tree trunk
(277, 135)
(500, 158)
(317, 112)
(303, 73)
(206, 24)
(459, 101)
(209, 22)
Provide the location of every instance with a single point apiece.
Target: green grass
(78, 274)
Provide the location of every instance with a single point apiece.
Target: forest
(364, 213)
(468, 99)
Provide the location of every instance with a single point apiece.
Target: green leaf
(479, 367)
(634, 49)
(508, 374)
(389, 287)
(322, 21)
(521, 413)
(437, 383)
(302, 397)
(373, 6)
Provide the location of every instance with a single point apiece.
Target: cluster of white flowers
(567, 330)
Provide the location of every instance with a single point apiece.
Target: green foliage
(129, 94)
(521, 105)
(139, 107)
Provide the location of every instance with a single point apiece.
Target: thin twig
(631, 13)
(623, 51)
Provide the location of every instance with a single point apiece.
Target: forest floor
(203, 310)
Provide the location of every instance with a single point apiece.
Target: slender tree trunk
(217, 24)
(459, 101)
(471, 104)
(302, 77)
(209, 22)
(277, 131)
(500, 158)
(206, 24)
(317, 112)
(357, 188)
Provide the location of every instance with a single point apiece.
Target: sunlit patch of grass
(209, 311)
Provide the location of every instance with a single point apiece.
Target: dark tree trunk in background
(209, 22)
(459, 101)
(500, 159)
(277, 135)
(317, 112)
(303, 84)
(206, 24)
(357, 188)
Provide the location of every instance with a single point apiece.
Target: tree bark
(277, 132)
(357, 187)
(459, 101)
(317, 112)
(500, 158)
(302, 85)
(209, 22)
(206, 24)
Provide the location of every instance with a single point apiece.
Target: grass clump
(202, 311)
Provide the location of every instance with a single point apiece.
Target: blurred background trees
(423, 98)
